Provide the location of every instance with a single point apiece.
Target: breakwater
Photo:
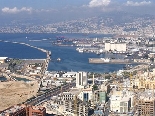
(112, 61)
(70, 58)
(48, 53)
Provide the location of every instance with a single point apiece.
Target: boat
(58, 59)
(80, 50)
(98, 53)
(49, 52)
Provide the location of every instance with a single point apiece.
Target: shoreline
(46, 63)
(80, 61)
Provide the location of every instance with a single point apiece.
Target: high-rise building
(146, 103)
(81, 79)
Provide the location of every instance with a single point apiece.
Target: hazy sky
(72, 8)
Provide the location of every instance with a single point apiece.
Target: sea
(71, 60)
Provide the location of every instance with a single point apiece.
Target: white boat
(58, 59)
(79, 50)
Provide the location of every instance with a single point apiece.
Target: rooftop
(3, 58)
(147, 95)
(12, 109)
(75, 91)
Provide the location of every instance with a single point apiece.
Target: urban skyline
(126, 43)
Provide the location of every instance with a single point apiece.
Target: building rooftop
(20, 108)
(3, 58)
(87, 89)
(147, 95)
(126, 98)
(12, 109)
(38, 108)
(75, 91)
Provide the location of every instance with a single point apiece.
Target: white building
(120, 103)
(70, 74)
(119, 47)
(86, 94)
(2, 59)
(72, 104)
(81, 79)
(65, 74)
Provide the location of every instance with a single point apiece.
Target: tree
(95, 87)
(152, 59)
(126, 74)
(107, 76)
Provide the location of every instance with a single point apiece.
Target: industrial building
(23, 110)
(115, 46)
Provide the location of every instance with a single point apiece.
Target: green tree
(152, 59)
(95, 87)
(107, 76)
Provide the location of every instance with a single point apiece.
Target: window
(121, 103)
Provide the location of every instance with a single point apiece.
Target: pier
(112, 61)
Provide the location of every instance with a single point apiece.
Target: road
(47, 95)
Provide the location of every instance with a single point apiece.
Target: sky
(71, 9)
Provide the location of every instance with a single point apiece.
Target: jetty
(46, 61)
(110, 61)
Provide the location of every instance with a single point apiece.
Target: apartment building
(81, 79)
(120, 102)
(146, 103)
(23, 110)
(73, 105)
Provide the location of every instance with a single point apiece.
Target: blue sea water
(70, 58)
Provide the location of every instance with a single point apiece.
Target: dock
(109, 61)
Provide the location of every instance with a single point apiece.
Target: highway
(47, 95)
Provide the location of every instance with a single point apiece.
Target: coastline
(70, 58)
(45, 67)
